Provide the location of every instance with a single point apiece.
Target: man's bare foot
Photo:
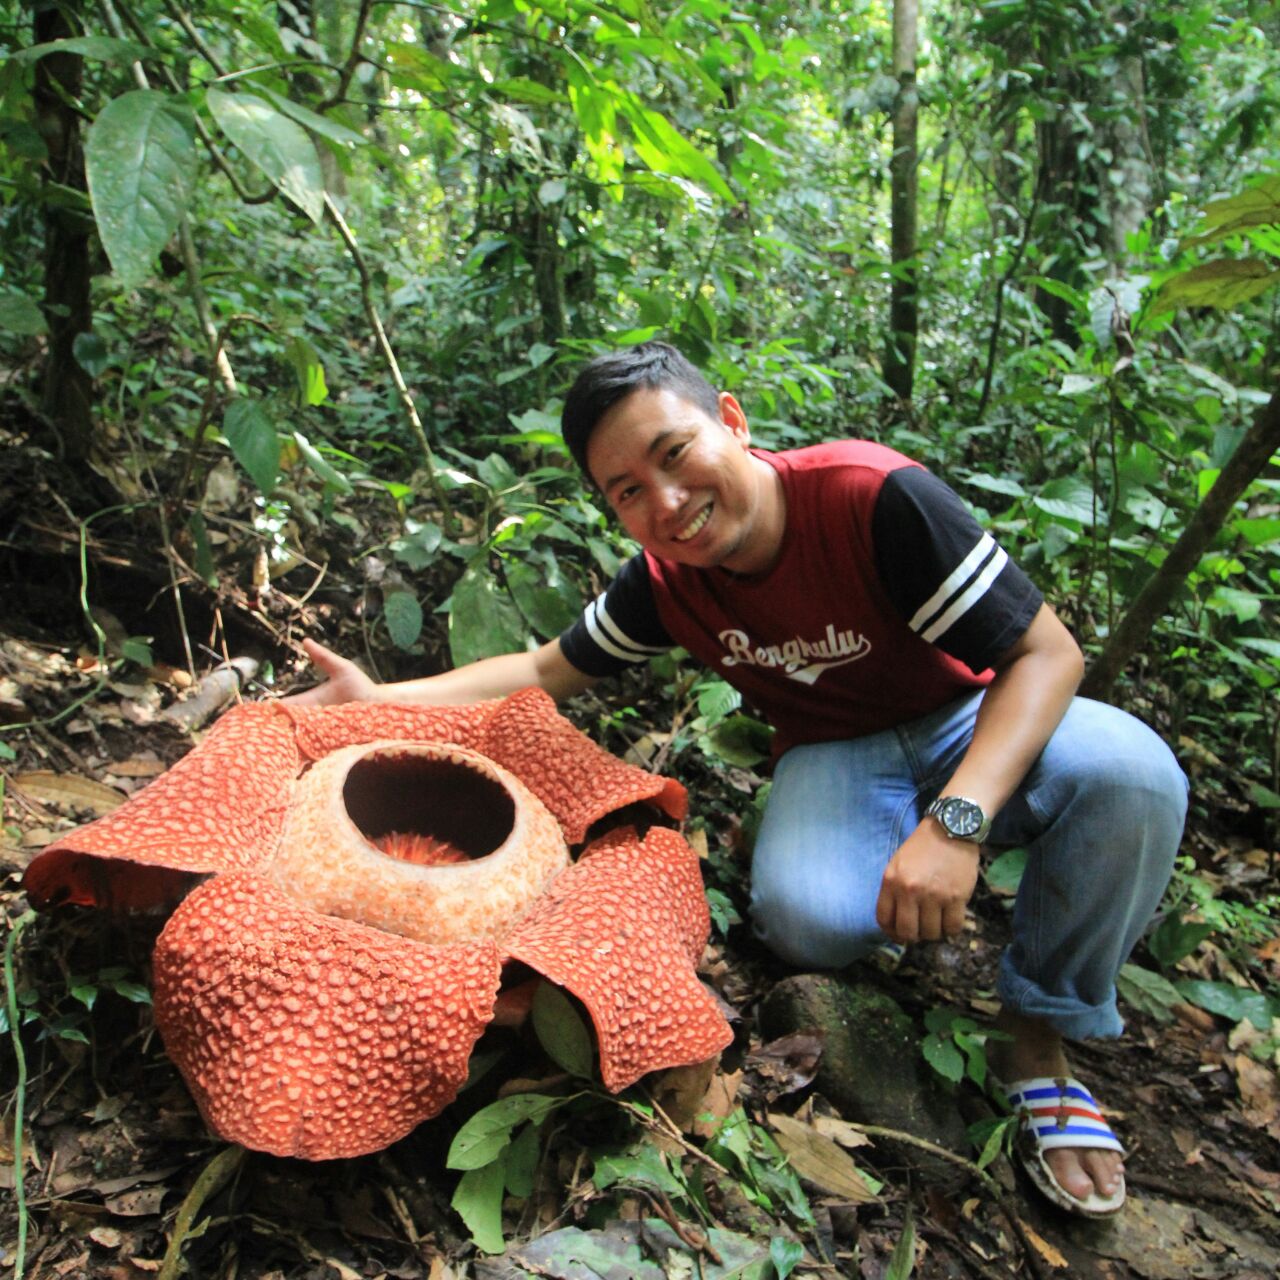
(1036, 1050)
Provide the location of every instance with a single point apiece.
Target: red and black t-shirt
(887, 601)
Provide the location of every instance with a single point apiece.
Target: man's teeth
(694, 525)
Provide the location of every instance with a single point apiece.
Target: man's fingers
(952, 919)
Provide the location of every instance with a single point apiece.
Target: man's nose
(671, 497)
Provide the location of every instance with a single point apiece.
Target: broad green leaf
(548, 609)
(1229, 1001)
(1075, 384)
(739, 740)
(403, 616)
(1068, 498)
(995, 484)
(254, 442)
(203, 550)
(1257, 531)
(91, 353)
(102, 48)
(20, 314)
(989, 1136)
(666, 151)
(561, 1031)
(1256, 206)
(418, 547)
(326, 128)
(643, 1165)
(522, 1161)
(1175, 938)
(305, 360)
(478, 1202)
(484, 1136)
(1244, 606)
(942, 1055)
(483, 620)
(1224, 283)
(1263, 797)
(276, 144)
(141, 163)
(320, 464)
(522, 89)
(1004, 874)
(784, 1254)
(1148, 991)
(413, 67)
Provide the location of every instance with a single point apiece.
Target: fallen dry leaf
(1259, 1092)
(680, 1091)
(69, 791)
(720, 1101)
(786, 1064)
(841, 1131)
(1048, 1252)
(819, 1160)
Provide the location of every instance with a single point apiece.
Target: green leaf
(91, 353)
(1224, 283)
(85, 992)
(325, 127)
(989, 1136)
(1257, 206)
(643, 1165)
(488, 1132)
(302, 356)
(203, 551)
(419, 546)
(1229, 1001)
(101, 48)
(1263, 797)
(1175, 938)
(739, 740)
(561, 1031)
(403, 616)
(1148, 992)
(254, 442)
(548, 609)
(784, 1254)
(1075, 384)
(522, 1161)
(1004, 874)
(141, 163)
(136, 650)
(19, 314)
(478, 1202)
(1067, 498)
(134, 992)
(902, 1262)
(942, 1055)
(483, 621)
(320, 464)
(666, 151)
(278, 146)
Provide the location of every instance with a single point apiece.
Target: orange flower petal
(322, 730)
(623, 929)
(307, 1036)
(220, 808)
(577, 780)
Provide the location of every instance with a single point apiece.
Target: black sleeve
(619, 627)
(948, 578)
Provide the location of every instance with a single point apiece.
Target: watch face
(961, 817)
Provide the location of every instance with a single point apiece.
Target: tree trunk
(900, 352)
(66, 397)
(1252, 455)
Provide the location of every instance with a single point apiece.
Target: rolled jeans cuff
(1068, 1015)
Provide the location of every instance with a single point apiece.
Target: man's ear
(732, 416)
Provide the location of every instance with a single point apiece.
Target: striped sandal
(1060, 1112)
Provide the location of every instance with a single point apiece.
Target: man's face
(683, 484)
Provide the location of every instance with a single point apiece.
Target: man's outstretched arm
(545, 667)
(931, 878)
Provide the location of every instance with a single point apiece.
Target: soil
(119, 1168)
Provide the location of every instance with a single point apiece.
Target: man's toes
(1070, 1173)
(1105, 1169)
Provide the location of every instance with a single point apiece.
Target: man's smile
(694, 526)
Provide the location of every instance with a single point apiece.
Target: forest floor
(118, 1162)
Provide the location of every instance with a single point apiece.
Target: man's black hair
(613, 376)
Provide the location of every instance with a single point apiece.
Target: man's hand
(344, 682)
(927, 885)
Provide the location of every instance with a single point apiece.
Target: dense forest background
(290, 292)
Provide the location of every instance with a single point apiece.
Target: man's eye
(675, 451)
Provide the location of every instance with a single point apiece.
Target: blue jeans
(1100, 813)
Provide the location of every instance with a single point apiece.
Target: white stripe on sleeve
(958, 577)
(972, 594)
(612, 639)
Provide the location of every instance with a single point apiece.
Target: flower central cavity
(425, 809)
(423, 840)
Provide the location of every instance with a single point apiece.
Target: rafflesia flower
(368, 872)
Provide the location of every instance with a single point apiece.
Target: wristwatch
(961, 819)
